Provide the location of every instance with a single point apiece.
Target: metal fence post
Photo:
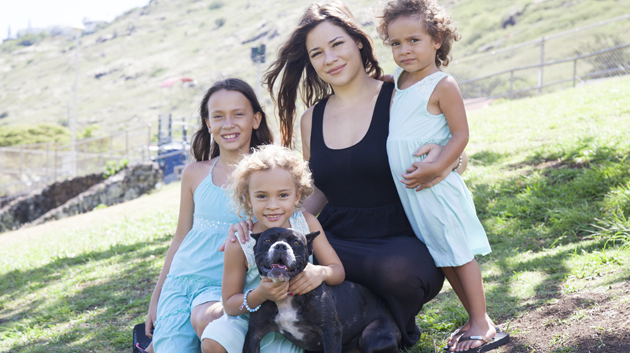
(21, 156)
(148, 142)
(574, 71)
(127, 144)
(541, 61)
(55, 163)
(47, 158)
(511, 83)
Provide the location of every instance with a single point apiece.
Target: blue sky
(45, 13)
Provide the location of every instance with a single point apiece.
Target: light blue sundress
(443, 216)
(196, 270)
(230, 331)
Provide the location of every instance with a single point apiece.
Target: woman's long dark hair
(203, 147)
(293, 59)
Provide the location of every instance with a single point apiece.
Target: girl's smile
(231, 120)
(334, 54)
(336, 70)
(273, 196)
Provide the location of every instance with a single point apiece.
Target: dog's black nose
(280, 246)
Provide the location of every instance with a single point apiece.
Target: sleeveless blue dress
(196, 271)
(230, 331)
(443, 216)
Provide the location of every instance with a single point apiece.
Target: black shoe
(140, 339)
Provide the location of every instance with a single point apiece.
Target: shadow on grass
(488, 157)
(555, 202)
(552, 206)
(101, 311)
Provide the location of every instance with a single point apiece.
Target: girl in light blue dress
(270, 184)
(188, 293)
(427, 107)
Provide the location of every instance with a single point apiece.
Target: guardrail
(622, 66)
(594, 51)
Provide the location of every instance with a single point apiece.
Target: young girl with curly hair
(270, 184)
(427, 107)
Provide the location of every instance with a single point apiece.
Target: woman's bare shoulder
(307, 117)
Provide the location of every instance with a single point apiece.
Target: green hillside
(551, 185)
(122, 65)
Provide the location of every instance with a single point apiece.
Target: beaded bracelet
(247, 306)
(459, 165)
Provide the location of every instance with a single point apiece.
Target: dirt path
(588, 321)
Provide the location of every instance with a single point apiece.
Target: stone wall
(28, 208)
(126, 185)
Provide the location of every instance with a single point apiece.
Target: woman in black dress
(343, 138)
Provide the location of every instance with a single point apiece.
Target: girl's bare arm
(330, 270)
(184, 224)
(234, 274)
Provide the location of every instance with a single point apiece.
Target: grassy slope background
(122, 65)
(550, 178)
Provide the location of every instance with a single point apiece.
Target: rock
(511, 17)
(79, 195)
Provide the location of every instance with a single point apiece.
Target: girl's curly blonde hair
(265, 158)
(436, 19)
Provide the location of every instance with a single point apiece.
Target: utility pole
(78, 32)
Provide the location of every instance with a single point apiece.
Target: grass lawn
(551, 181)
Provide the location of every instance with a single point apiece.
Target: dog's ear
(255, 236)
(309, 241)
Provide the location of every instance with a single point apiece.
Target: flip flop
(140, 339)
(489, 344)
(458, 332)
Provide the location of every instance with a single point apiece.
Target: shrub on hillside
(11, 135)
(217, 4)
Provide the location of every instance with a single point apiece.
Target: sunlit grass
(556, 209)
(550, 179)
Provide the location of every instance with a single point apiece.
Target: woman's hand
(386, 78)
(309, 279)
(270, 290)
(150, 321)
(421, 175)
(242, 228)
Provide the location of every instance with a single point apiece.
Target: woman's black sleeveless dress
(365, 223)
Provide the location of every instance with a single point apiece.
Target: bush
(30, 38)
(216, 5)
(114, 167)
(22, 134)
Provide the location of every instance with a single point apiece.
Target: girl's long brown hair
(203, 147)
(293, 64)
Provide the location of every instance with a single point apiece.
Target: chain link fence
(547, 64)
(28, 167)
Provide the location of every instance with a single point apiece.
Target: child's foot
(454, 337)
(486, 330)
(149, 349)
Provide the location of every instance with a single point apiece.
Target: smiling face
(231, 121)
(412, 46)
(334, 54)
(272, 196)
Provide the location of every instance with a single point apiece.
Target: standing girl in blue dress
(427, 107)
(188, 293)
